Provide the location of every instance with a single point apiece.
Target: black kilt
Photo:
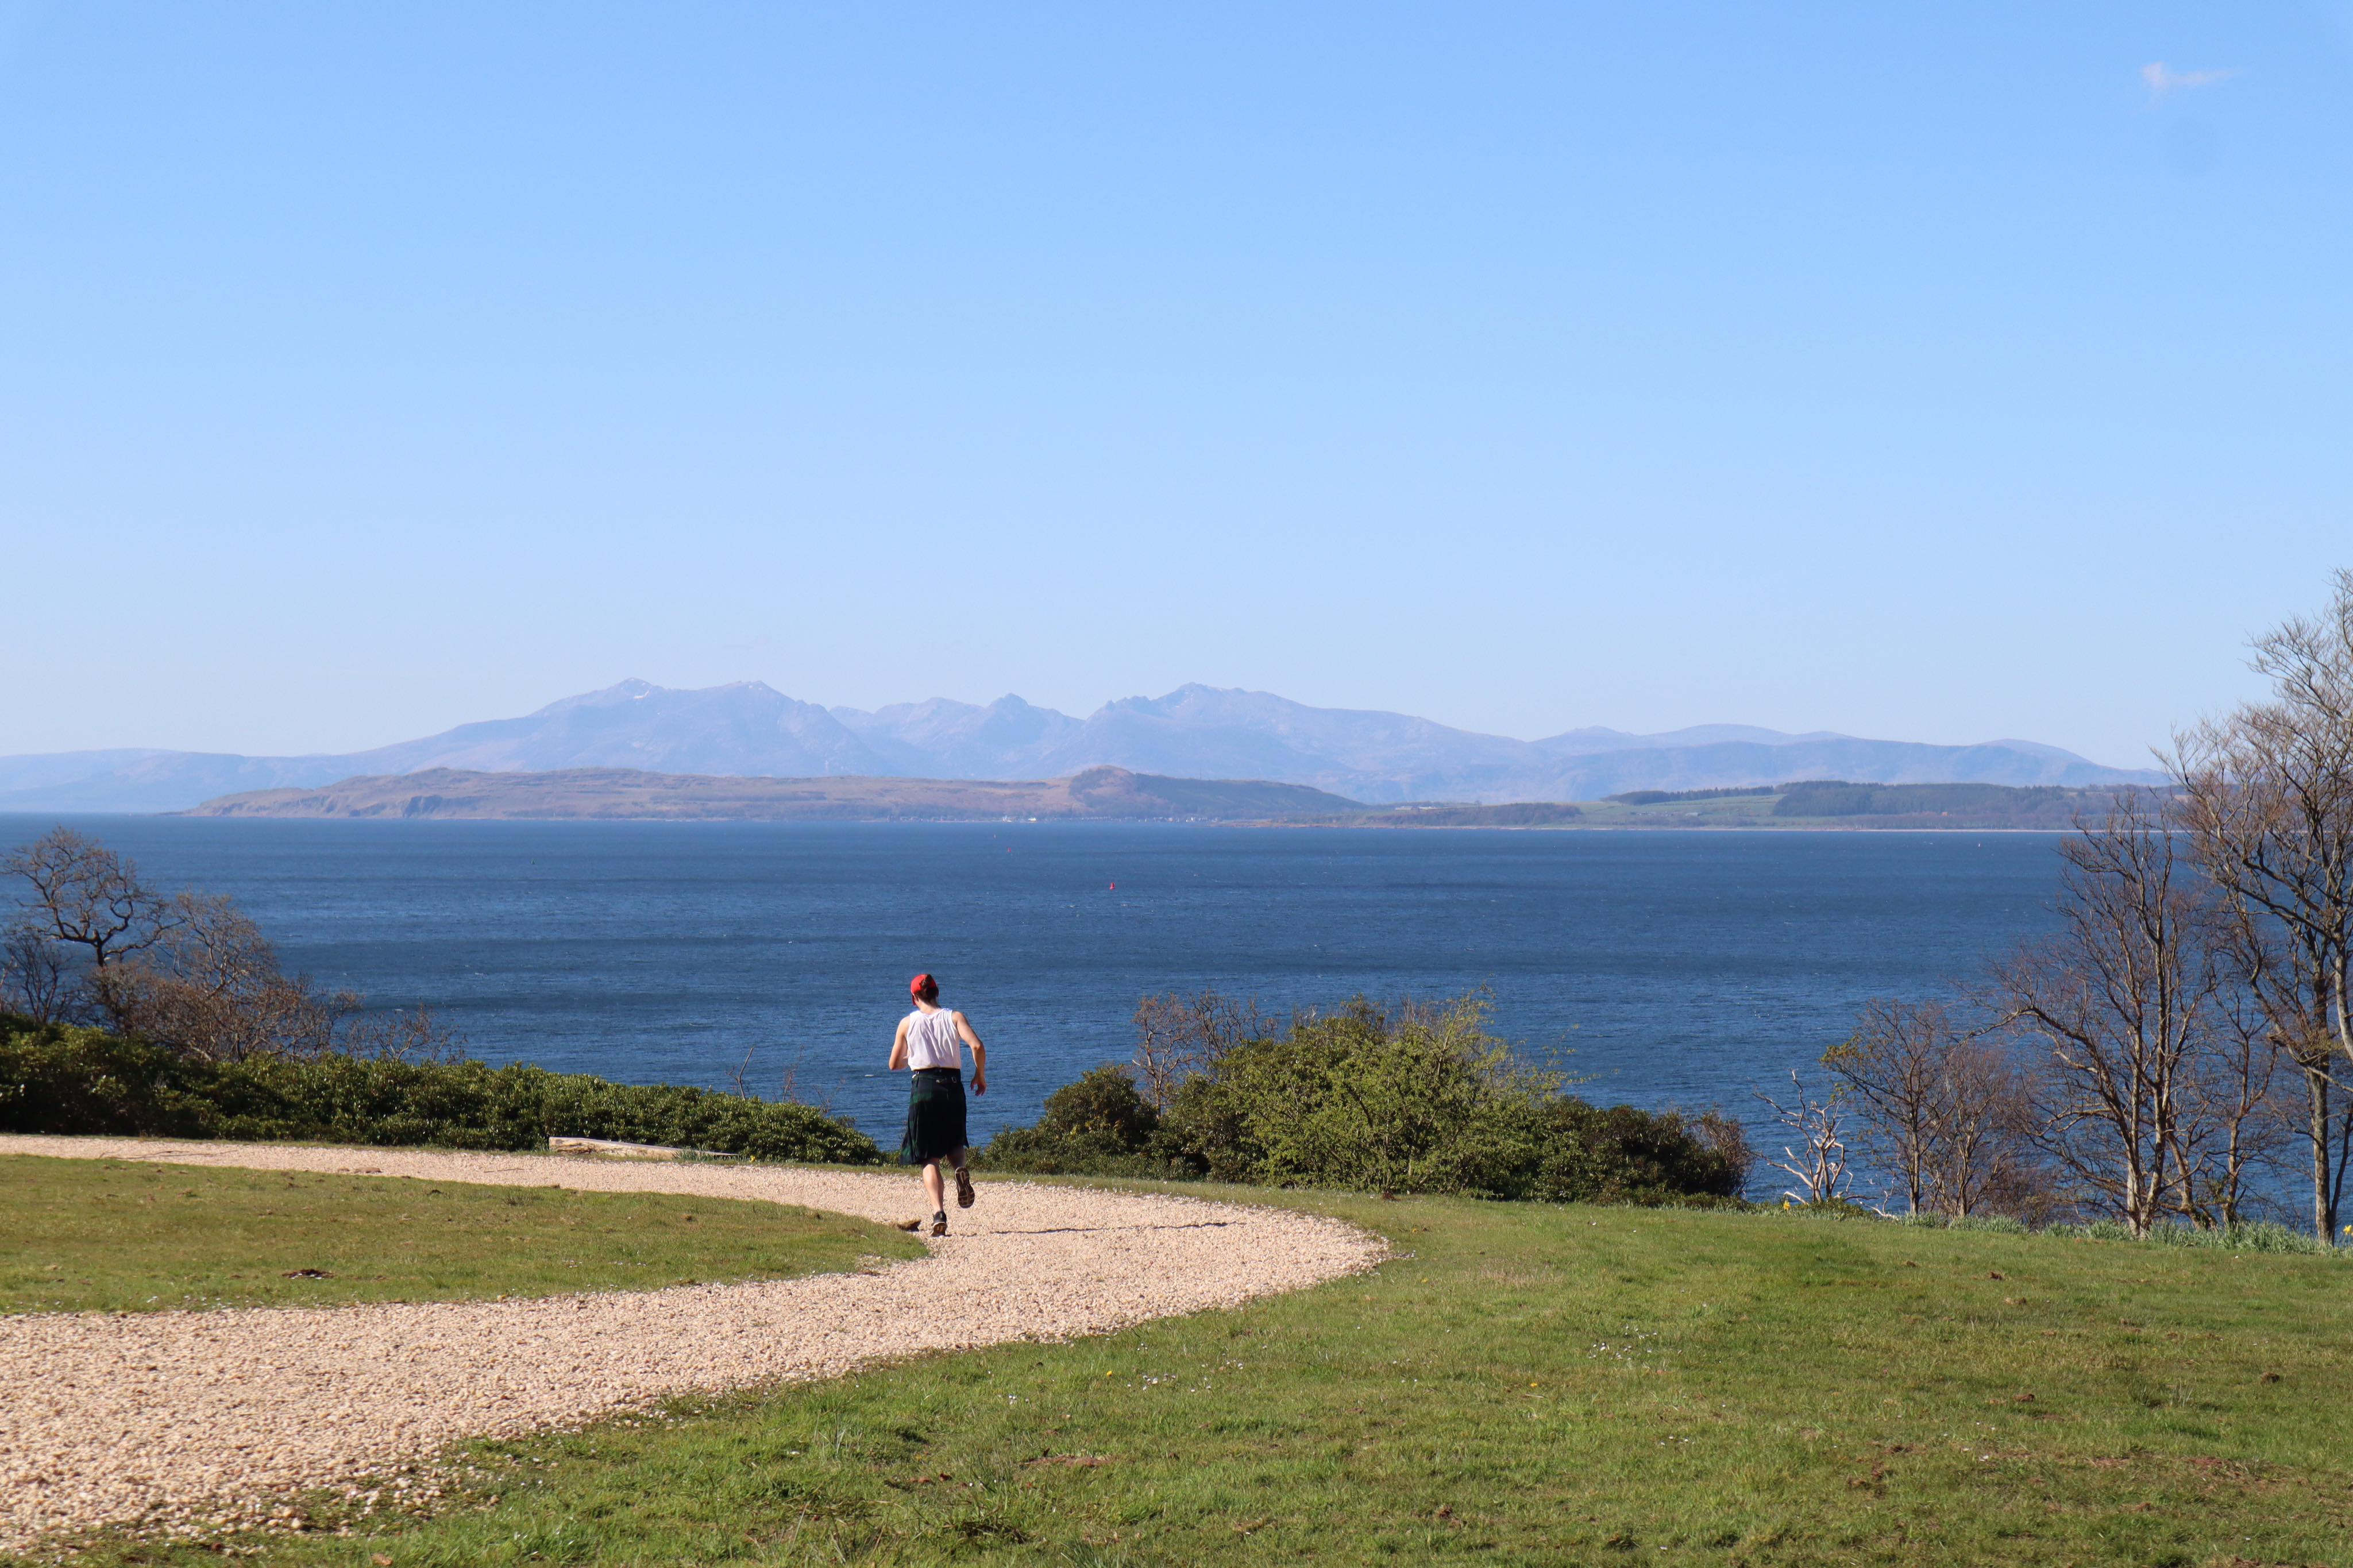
(934, 1116)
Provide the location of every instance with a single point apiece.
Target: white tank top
(932, 1040)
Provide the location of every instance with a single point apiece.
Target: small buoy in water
(1115, 887)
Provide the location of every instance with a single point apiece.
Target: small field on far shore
(1521, 1385)
(80, 1236)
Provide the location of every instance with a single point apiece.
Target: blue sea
(1662, 968)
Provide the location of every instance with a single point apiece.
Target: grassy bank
(89, 1235)
(1525, 1383)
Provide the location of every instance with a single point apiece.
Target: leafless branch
(1179, 1036)
(1817, 1161)
(2266, 801)
(84, 894)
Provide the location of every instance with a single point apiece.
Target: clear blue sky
(1914, 371)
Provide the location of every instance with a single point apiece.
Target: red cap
(923, 988)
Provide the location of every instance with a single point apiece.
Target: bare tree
(1986, 1158)
(2124, 1001)
(191, 973)
(36, 981)
(2237, 1124)
(2283, 981)
(788, 1084)
(412, 1035)
(1177, 1036)
(86, 895)
(2267, 800)
(210, 986)
(739, 1078)
(1817, 1160)
(1938, 1108)
(1889, 1069)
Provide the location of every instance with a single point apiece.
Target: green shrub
(1405, 1098)
(1096, 1126)
(67, 1080)
(1623, 1155)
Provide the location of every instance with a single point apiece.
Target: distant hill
(1941, 804)
(584, 795)
(749, 730)
(1838, 803)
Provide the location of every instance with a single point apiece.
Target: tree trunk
(2324, 1195)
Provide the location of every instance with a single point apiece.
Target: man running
(931, 1042)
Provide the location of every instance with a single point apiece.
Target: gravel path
(180, 1420)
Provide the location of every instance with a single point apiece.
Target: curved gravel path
(181, 1420)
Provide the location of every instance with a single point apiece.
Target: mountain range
(750, 730)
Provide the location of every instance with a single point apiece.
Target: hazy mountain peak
(623, 691)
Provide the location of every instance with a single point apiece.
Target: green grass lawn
(1524, 1384)
(121, 1236)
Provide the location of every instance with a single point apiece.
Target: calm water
(1683, 968)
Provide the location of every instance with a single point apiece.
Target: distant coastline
(626, 795)
(1108, 794)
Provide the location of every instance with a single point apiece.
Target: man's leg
(935, 1187)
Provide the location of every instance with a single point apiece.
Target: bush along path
(1397, 1098)
(56, 1079)
(188, 1421)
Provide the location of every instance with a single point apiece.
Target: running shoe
(940, 1222)
(964, 1188)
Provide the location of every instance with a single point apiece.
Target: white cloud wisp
(2163, 79)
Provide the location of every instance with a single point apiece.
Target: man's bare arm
(899, 1048)
(979, 1053)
